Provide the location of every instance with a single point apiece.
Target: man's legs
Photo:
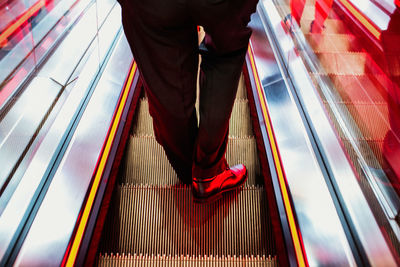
(219, 77)
(164, 44)
(223, 51)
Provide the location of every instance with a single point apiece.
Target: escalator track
(286, 213)
(153, 219)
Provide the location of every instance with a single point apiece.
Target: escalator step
(321, 43)
(241, 92)
(349, 63)
(371, 119)
(164, 220)
(361, 88)
(185, 261)
(240, 123)
(374, 160)
(146, 162)
(368, 122)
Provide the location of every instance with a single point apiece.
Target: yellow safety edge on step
(288, 207)
(99, 173)
(370, 27)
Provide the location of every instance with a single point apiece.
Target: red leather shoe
(211, 189)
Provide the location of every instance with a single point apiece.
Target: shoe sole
(218, 196)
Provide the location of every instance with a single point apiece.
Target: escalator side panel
(362, 225)
(310, 196)
(57, 215)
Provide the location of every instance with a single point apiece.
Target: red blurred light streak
(29, 13)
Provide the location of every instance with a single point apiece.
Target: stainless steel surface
(51, 19)
(59, 67)
(25, 191)
(323, 236)
(103, 7)
(49, 234)
(25, 53)
(360, 215)
(11, 60)
(19, 126)
(108, 30)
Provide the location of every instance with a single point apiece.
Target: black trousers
(163, 37)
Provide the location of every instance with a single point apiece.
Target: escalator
(84, 181)
(153, 218)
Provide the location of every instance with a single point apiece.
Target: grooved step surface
(361, 88)
(164, 220)
(241, 92)
(333, 42)
(185, 261)
(240, 123)
(346, 63)
(146, 162)
(153, 214)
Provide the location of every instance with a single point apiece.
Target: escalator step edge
(183, 261)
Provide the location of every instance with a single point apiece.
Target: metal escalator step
(240, 123)
(321, 43)
(144, 122)
(374, 160)
(164, 220)
(350, 63)
(371, 119)
(146, 162)
(185, 261)
(358, 89)
(241, 92)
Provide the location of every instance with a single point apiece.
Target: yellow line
(372, 29)
(21, 20)
(99, 173)
(281, 178)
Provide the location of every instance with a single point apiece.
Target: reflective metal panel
(324, 238)
(10, 61)
(103, 8)
(50, 233)
(109, 28)
(18, 204)
(59, 67)
(19, 126)
(368, 233)
(28, 32)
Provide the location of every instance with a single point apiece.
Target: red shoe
(211, 189)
